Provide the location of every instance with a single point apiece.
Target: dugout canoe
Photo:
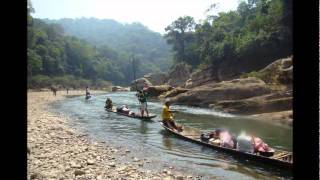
(281, 159)
(138, 116)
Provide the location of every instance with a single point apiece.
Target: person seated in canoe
(245, 143)
(222, 137)
(253, 144)
(167, 117)
(125, 110)
(261, 147)
(108, 104)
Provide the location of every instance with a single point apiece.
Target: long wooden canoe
(281, 159)
(137, 116)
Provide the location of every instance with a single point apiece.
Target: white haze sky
(155, 14)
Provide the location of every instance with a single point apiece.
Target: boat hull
(149, 118)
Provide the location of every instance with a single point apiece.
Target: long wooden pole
(134, 72)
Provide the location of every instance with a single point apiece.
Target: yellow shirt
(166, 114)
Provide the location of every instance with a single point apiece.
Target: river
(149, 140)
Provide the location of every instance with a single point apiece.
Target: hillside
(149, 47)
(91, 52)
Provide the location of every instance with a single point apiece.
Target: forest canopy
(258, 31)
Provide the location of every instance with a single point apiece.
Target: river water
(149, 140)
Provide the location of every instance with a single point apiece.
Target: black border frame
(305, 89)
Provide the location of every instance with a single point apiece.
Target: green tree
(178, 34)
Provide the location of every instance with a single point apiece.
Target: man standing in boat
(167, 117)
(142, 97)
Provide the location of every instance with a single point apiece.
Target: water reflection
(143, 127)
(167, 143)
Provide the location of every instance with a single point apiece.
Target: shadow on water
(149, 140)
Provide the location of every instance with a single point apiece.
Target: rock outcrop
(156, 78)
(280, 101)
(173, 92)
(227, 70)
(211, 93)
(279, 72)
(155, 91)
(200, 77)
(179, 75)
(140, 83)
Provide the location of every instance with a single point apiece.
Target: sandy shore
(58, 151)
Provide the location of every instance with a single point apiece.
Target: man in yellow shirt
(167, 117)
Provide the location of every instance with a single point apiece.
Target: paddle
(134, 71)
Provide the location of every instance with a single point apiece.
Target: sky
(155, 14)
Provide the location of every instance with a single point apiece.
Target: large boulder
(140, 84)
(211, 93)
(173, 92)
(156, 78)
(155, 91)
(179, 75)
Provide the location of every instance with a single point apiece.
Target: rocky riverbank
(57, 151)
(262, 94)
